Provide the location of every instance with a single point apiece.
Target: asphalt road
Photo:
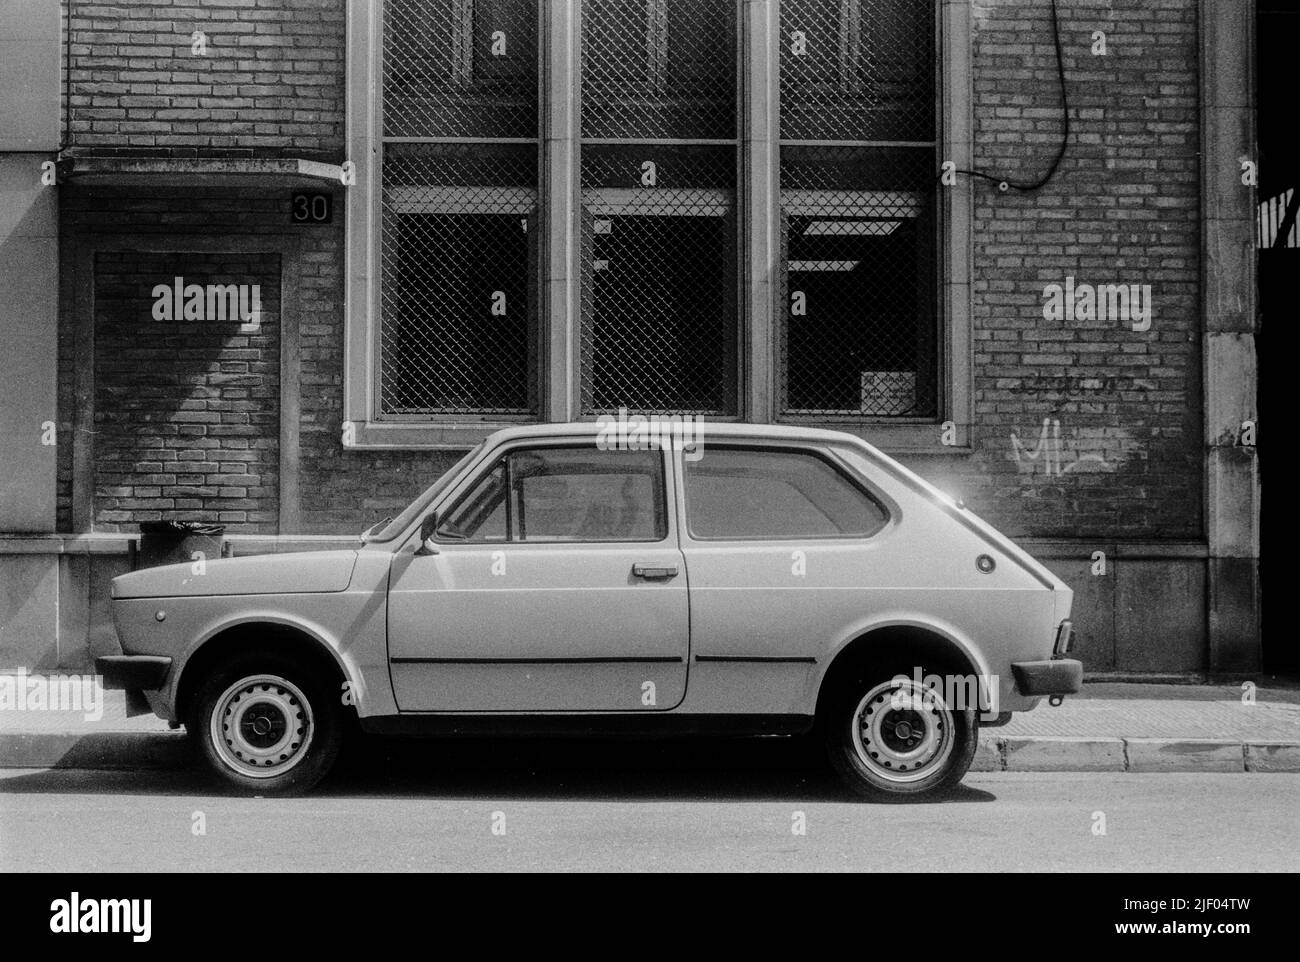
(617, 806)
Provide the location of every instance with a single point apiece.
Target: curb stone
(1063, 753)
(1272, 757)
(1184, 755)
(988, 756)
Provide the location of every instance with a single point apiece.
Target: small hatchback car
(762, 580)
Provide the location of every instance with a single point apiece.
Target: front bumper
(133, 672)
(1059, 676)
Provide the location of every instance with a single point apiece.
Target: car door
(558, 585)
(781, 544)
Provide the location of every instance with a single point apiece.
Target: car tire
(891, 739)
(267, 725)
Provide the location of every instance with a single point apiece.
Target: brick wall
(270, 83)
(187, 410)
(1123, 209)
(340, 490)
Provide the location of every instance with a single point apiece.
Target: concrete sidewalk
(1110, 727)
(1152, 728)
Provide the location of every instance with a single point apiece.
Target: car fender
(346, 665)
(895, 619)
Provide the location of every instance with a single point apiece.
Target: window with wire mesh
(659, 240)
(659, 304)
(858, 331)
(859, 285)
(858, 70)
(460, 68)
(659, 69)
(459, 216)
(459, 280)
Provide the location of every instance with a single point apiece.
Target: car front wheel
(891, 738)
(267, 725)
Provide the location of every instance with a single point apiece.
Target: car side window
(564, 494)
(754, 493)
(481, 515)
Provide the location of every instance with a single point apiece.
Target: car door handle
(652, 572)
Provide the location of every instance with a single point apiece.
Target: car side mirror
(427, 528)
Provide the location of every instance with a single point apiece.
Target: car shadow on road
(629, 770)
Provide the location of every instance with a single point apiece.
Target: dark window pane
(459, 280)
(742, 493)
(659, 68)
(460, 68)
(659, 301)
(505, 45)
(859, 312)
(860, 70)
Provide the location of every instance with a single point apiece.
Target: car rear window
(753, 494)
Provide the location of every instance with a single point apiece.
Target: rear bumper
(133, 672)
(1059, 676)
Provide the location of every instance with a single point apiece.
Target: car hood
(306, 572)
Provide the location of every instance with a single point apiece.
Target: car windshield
(404, 520)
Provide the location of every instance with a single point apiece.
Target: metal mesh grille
(859, 282)
(459, 280)
(658, 69)
(659, 280)
(460, 68)
(858, 70)
(459, 248)
(859, 319)
(659, 229)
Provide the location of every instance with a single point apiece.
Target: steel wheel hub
(902, 731)
(262, 726)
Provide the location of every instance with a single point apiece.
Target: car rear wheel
(892, 738)
(267, 725)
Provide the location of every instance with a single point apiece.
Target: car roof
(701, 428)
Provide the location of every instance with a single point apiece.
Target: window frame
(658, 62)
(954, 85)
(885, 505)
(559, 322)
(364, 423)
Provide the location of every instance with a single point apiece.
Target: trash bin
(171, 542)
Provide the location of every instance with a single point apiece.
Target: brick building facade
(775, 175)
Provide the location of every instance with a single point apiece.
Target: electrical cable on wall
(1006, 183)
